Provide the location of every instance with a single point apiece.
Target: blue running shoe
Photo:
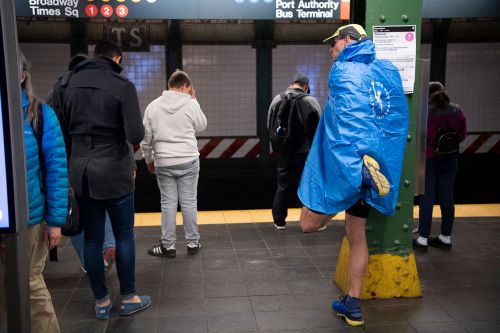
(348, 308)
(373, 178)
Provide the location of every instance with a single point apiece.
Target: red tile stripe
(211, 145)
(474, 146)
(255, 151)
(495, 149)
(233, 148)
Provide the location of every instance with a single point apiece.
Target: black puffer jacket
(102, 115)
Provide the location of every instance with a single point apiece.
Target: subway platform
(249, 277)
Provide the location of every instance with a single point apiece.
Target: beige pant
(43, 316)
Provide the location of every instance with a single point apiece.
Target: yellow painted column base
(387, 275)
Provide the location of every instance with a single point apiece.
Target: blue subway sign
(187, 9)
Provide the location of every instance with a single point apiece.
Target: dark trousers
(121, 214)
(289, 171)
(440, 173)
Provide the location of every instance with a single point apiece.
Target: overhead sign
(398, 43)
(460, 8)
(187, 9)
(131, 38)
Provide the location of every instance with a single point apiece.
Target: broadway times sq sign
(187, 9)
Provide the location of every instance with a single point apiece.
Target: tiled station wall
(225, 79)
(473, 82)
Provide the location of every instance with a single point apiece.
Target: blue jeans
(109, 240)
(440, 173)
(121, 214)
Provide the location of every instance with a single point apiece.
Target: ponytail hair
(437, 95)
(33, 100)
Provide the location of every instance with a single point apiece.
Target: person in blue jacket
(356, 158)
(48, 206)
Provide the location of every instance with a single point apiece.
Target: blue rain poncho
(365, 113)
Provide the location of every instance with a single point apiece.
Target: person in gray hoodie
(171, 151)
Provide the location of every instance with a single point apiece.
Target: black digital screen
(7, 222)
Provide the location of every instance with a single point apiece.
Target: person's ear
(117, 59)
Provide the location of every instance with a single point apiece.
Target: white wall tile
(473, 82)
(48, 62)
(224, 77)
(313, 60)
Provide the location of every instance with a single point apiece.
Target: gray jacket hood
(172, 101)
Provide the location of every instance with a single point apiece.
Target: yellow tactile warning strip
(264, 215)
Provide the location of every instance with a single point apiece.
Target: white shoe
(280, 227)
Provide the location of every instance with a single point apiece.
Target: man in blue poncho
(356, 157)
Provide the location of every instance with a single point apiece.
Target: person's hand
(52, 237)
(151, 168)
(192, 92)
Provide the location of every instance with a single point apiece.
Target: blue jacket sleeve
(55, 168)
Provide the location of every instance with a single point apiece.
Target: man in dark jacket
(290, 165)
(102, 115)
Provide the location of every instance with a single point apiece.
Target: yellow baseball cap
(354, 31)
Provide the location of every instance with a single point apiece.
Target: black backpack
(286, 127)
(447, 140)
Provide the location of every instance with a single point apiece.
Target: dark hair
(108, 49)
(437, 94)
(76, 60)
(179, 79)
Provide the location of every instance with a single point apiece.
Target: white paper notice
(398, 43)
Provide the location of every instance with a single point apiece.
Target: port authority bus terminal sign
(187, 9)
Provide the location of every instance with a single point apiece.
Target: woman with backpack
(47, 188)
(446, 128)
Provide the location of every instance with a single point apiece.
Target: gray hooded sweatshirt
(170, 124)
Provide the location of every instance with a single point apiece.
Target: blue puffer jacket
(365, 114)
(56, 197)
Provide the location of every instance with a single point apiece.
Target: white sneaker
(193, 248)
(280, 227)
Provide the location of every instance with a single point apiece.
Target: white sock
(445, 239)
(422, 240)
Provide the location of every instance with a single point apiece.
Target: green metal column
(392, 269)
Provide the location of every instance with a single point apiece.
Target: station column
(264, 31)
(392, 270)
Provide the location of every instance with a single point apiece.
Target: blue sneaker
(103, 312)
(130, 308)
(348, 308)
(373, 178)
